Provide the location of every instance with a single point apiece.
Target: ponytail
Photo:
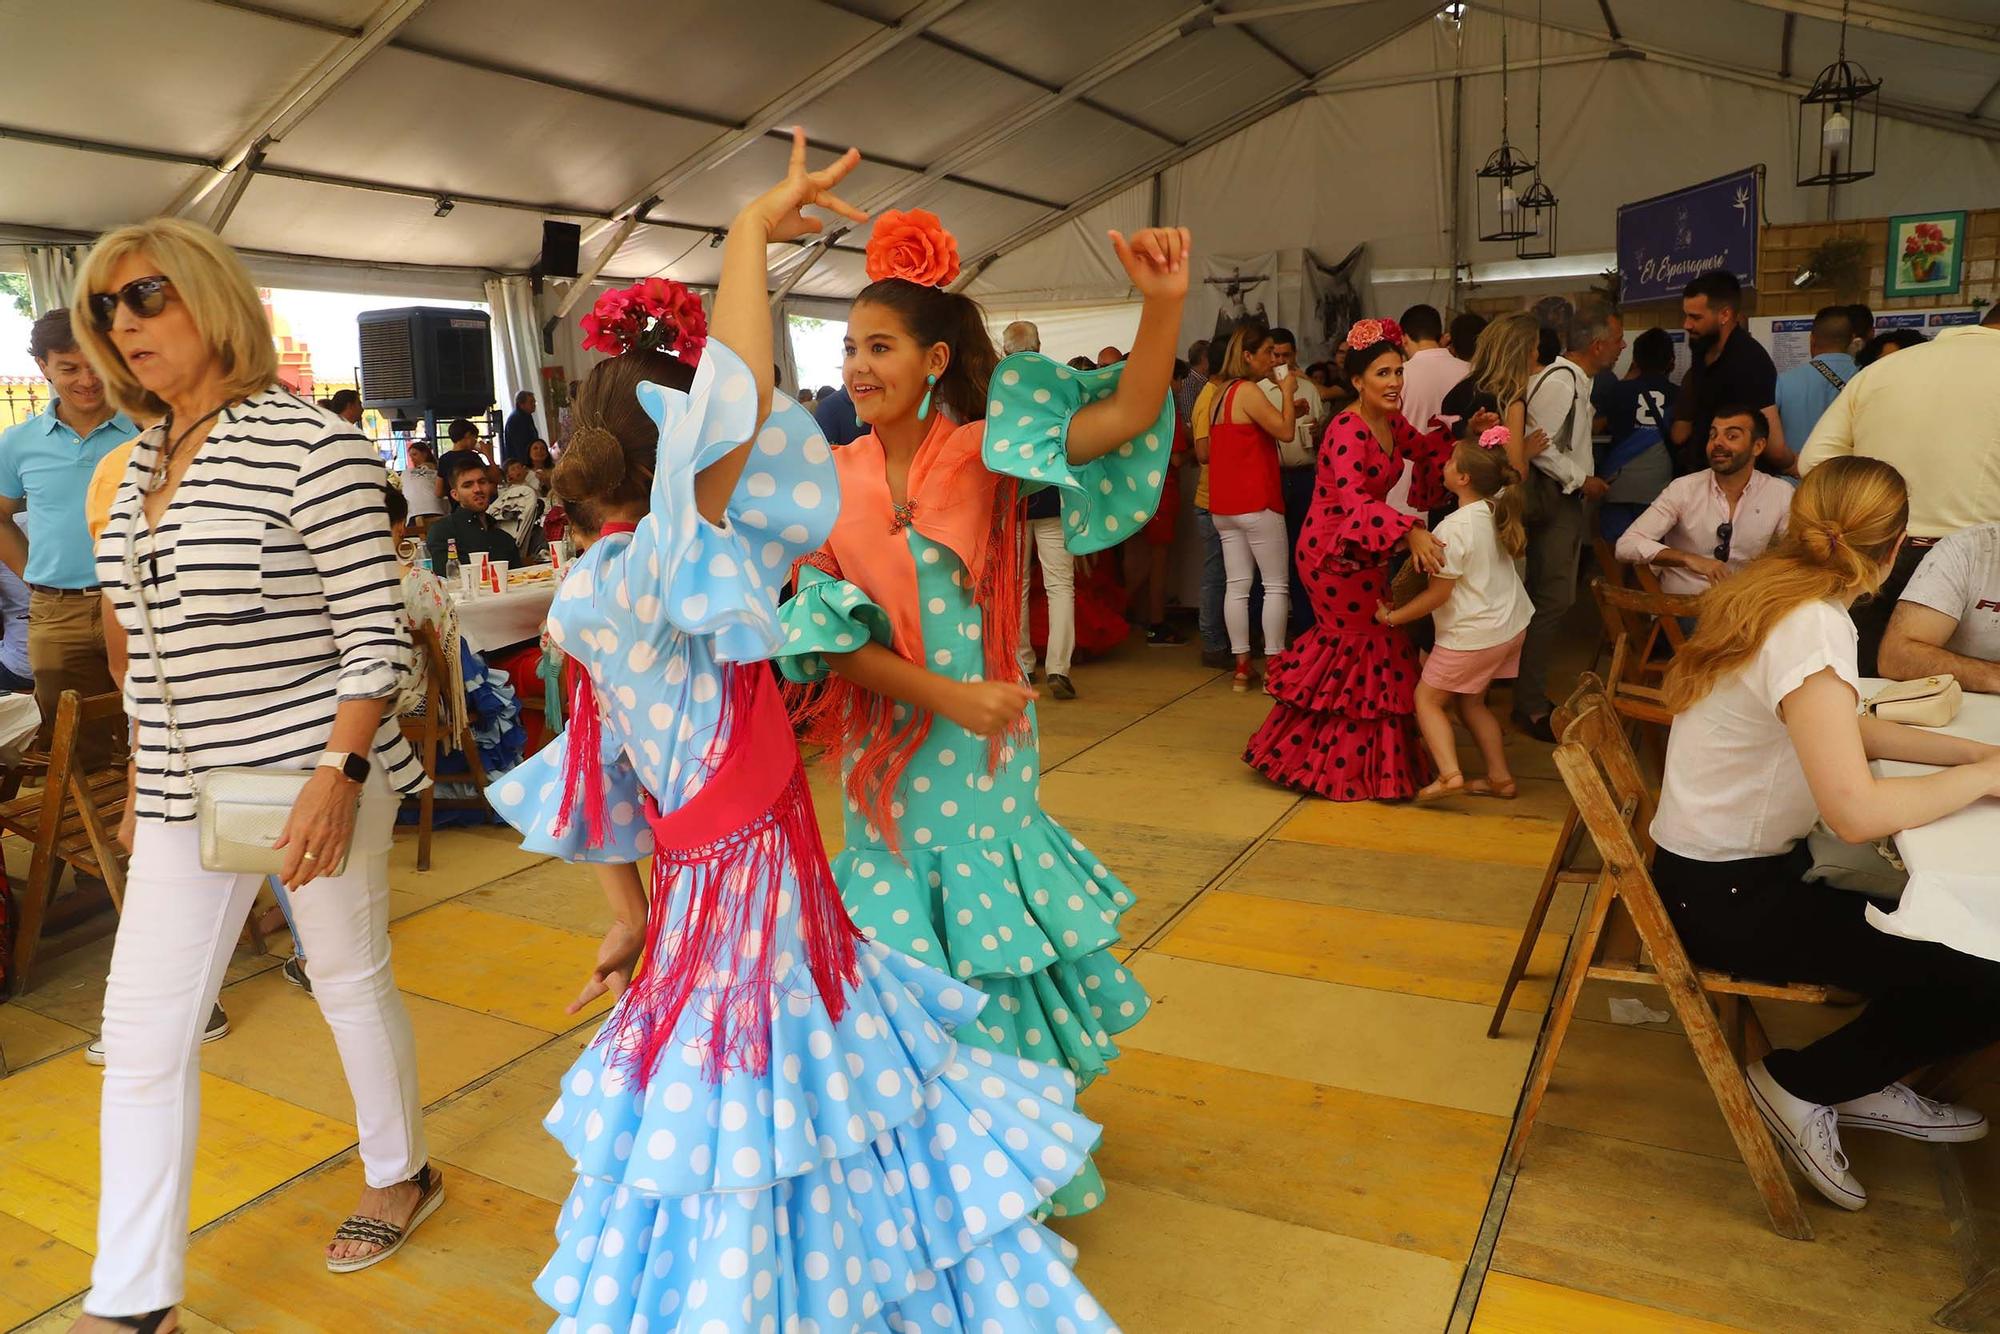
(934, 316)
(1494, 478)
(1847, 518)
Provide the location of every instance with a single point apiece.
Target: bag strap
(1576, 398)
(1838, 382)
(136, 581)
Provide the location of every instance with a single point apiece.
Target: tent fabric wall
(51, 275)
(517, 335)
(1071, 330)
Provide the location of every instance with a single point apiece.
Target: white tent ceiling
(1025, 123)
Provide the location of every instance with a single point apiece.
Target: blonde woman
(1503, 362)
(1767, 741)
(247, 554)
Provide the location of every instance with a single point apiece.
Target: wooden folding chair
(425, 732)
(71, 821)
(1563, 868)
(1626, 936)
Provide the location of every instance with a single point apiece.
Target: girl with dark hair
(912, 610)
(1343, 725)
(774, 1128)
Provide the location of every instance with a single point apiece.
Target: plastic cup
(499, 577)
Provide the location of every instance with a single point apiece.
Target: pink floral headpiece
(653, 312)
(1367, 333)
(913, 246)
(1493, 437)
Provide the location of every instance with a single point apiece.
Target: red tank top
(1242, 463)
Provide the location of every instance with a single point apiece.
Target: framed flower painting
(1926, 255)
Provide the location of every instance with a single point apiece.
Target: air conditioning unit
(427, 360)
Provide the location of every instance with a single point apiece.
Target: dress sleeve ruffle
(1427, 452)
(828, 615)
(530, 798)
(725, 581)
(1105, 500)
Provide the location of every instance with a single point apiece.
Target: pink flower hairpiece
(1493, 437)
(1367, 333)
(653, 312)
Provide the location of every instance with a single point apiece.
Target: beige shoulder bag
(1931, 701)
(240, 812)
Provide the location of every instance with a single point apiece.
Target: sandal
(1505, 789)
(375, 1232)
(1443, 787)
(1240, 682)
(145, 1324)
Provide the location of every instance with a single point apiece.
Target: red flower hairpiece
(1367, 333)
(653, 312)
(913, 246)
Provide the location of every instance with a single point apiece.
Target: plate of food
(534, 574)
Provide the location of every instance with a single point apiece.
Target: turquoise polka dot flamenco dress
(794, 1146)
(959, 866)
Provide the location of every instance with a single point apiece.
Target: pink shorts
(1469, 671)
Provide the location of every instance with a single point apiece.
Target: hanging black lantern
(1498, 204)
(1839, 122)
(1537, 203)
(1538, 219)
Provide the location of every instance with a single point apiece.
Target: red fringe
(723, 944)
(583, 760)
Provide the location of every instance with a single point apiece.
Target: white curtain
(51, 275)
(517, 332)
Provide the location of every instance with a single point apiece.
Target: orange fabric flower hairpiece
(913, 246)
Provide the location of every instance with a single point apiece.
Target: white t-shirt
(1488, 605)
(1961, 578)
(1733, 786)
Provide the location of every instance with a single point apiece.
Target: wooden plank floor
(1302, 1136)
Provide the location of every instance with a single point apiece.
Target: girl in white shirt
(1482, 613)
(1767, 740)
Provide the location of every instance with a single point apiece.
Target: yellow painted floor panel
(1303, 1135)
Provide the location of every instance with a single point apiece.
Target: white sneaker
(218, 1027)
(1810, 1133)
(1901, 1111)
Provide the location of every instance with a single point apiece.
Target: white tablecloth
(20, 719)
(1954, 892)
(494, 621)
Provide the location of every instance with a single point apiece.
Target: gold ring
(312, 856)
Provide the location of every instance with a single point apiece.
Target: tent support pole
(1457, 175)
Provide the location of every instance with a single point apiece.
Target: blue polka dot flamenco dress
(776, 1128)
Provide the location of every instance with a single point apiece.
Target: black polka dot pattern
(1343, 726)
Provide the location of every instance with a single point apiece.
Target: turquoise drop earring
(924, 408)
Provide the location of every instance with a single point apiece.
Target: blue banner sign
(1667, 241)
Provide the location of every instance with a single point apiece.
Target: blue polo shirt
(1804, 395)
(45, 463)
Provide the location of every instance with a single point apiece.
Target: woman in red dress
(1344, 724)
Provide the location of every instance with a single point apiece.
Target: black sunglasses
(1723, 532)
(144, 297)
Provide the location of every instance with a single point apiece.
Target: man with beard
(1729, 367)
(1709, 524)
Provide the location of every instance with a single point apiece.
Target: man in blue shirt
(45, 466)
(834, 411)
(1806, 392)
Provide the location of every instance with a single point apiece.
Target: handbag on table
(1930, 701)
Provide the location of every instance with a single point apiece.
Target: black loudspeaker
(559, 245)
(421, 359)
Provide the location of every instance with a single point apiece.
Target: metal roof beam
(1933, 117)
(298, 101)
(1242, 120)
(1015, 124)
(769, 116)
(1894, 20)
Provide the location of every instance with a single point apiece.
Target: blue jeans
(1214, 638)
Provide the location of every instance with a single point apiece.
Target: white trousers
(1255, 542)
(1044, 538)
(174, 941)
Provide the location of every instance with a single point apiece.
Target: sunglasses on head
(144, 297)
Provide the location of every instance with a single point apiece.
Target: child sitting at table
(1767, 740)
(1482, 613)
